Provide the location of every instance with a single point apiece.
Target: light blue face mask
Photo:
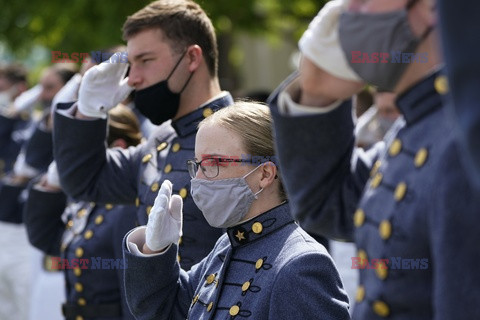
(224, 202)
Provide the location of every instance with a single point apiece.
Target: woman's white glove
(53, 180)
(26, 100)
(164, 225)
(320, 42)
(103, 87)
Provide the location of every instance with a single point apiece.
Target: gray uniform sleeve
(90, 172)
(157, 288)
(323, 173)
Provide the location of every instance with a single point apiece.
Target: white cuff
(286, 105)
(136, 239)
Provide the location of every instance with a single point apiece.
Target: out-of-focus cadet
(89, 231)
(36, 154)
(406, 200)
(173, 59)
(372, 125)
(13, 82)
(264, 267)
(459, 29)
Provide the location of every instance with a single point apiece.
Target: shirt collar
(260, 226)
(187, 124)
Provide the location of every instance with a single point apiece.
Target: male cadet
(403, 200)
(172, 52)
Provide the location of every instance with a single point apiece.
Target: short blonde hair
(252, 121)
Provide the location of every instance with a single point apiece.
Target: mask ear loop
(175, 68)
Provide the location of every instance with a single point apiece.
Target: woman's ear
(269, 174)
(119, 143)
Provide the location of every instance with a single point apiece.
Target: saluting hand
(103, 87)
(164, 225)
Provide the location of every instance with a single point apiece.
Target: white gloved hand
(53, 180)
(69, 91)
(26, 100)
(320, 42)
(164, 225)
(103, 87)
(22, 169)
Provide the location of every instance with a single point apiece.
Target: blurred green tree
(82, 26)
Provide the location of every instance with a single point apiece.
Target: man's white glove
(103, 87)
(26, 100)
(53, 180)
(69, 91)
(320, 42)
(164, 225)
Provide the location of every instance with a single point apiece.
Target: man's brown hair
(183, 22)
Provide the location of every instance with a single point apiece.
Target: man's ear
(121, 143)
(194, 57)
(269, 174)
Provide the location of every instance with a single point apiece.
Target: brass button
(79, 252)
(176, 147)
(154, 187)
(82, 302)
(360, 295)
(395, 147)
(207, 112)
(210, 306)
(168, 168)
(88, 234)
(400, 191)
(210, 279)
(109, 206)
(363, 256)
(245, 286)
(180, 241)
(183, 193)
(195, 299)
(81, 213)
(421, 157)
(381, 308)
(234, 310)
(69, 224)
(257, 228)
(77, 272)
(179, 258)
(385, 229)
(359, 218)
(381, 271)
(162, 146)
(137, 202)
(376, 180)
(148, 209)
(441, 85)
(99, 219)
(146, 158)
(78, 287)
(78, 318)
(375, 168)
(259, 264)
(63, 247)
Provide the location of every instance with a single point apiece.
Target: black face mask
(157, 102)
